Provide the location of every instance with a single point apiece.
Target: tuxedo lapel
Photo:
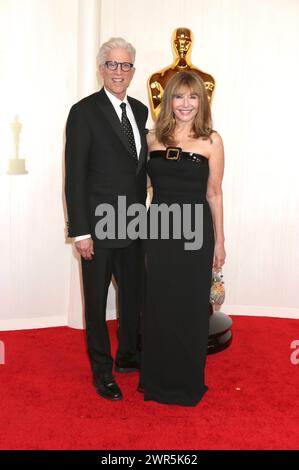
(107, 109)
(142, 133)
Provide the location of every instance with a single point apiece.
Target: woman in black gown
(186, 162)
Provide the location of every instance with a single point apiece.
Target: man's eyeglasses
(112, 65)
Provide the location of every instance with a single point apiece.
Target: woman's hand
(219, 255)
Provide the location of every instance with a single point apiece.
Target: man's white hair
(115, 43)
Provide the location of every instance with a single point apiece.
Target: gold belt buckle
(173, 153)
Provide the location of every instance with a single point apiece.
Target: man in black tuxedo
(106, 154)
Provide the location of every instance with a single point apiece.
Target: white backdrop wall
(39, 81)
(47, 62)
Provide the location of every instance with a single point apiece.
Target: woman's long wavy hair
(202, 124)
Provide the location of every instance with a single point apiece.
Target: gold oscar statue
(16, 166)
(181, 43)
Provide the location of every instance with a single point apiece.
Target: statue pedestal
(220, 334)
(16, 166)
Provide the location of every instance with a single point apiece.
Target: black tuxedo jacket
(98, 164)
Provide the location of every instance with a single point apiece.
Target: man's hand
(85, 248)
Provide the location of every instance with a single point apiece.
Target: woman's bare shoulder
(152, 141)
(151, 136)
(216, 138)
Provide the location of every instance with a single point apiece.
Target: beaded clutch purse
(217, 292)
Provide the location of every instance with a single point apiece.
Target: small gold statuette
(181, 43)
(16, 165)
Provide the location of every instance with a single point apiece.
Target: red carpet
(48, 401)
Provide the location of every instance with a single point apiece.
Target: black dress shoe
(107, 387)
(127, 366)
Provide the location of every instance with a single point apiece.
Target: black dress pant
(127, 266)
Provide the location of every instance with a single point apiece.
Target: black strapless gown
(176, 317)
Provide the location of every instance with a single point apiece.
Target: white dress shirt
(116, 102)
(116, 105)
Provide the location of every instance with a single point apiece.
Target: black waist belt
(176, 154)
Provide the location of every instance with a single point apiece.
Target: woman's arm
(214, 197)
